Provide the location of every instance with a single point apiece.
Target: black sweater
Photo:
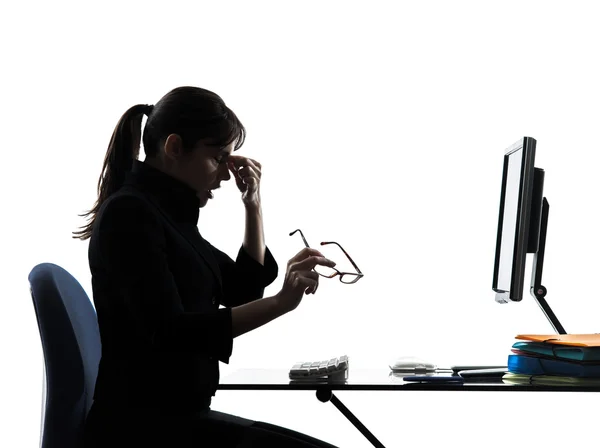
(157, 286)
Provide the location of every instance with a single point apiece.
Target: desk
(368, 380)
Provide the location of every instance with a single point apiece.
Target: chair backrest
(71, 346)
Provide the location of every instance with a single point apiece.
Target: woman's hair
(190, 112)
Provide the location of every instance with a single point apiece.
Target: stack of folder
(563, 359)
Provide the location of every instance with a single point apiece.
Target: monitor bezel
(520, 249)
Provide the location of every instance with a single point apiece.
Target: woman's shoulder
(126, 206)
(125, 222)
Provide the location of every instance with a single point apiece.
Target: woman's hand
(247, 173)
(300, 278)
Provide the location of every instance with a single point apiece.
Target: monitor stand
(538, 291)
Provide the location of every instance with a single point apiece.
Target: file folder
(566, 352)
(550, 380)
(529, 365)
(577, 340)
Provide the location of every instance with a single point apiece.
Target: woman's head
(188, 134)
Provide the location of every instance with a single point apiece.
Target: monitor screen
(514, 220)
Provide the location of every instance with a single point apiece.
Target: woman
(158, 284)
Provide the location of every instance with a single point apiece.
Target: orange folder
(579, 340)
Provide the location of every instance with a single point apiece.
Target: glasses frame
(356, 275)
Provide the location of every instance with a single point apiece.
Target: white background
(381, 125)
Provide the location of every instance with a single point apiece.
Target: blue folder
(567, 352)
(532, 365)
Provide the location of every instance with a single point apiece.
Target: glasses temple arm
(302, 235)
(345, 253)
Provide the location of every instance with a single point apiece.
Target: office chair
(71, 346)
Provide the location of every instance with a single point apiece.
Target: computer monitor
(522, 224)
(514, 220)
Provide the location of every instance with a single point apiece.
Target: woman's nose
(225, 174)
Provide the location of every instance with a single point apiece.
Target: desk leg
(325, 394)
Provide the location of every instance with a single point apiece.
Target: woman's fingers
(310, 262)
(305, 253)
(308, 283)
(243, 167)
(250, 170)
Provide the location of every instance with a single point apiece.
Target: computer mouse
(412, 364)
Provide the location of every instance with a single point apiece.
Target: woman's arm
(245, 318)
(255, 268)
(300, 279)
(254, 236)
(247, 174)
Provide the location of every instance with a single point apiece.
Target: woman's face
(203, 168)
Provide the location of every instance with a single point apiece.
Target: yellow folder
(517, 378)
(579, 340)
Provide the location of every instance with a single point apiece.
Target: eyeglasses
(325, 271)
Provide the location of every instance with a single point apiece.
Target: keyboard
(329, 368)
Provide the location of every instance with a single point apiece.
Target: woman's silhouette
(169, 304)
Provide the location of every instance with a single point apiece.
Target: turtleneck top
(174, 197)
(163, 296)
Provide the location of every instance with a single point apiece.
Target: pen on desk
(434, 378)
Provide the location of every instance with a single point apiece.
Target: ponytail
(123, 149)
